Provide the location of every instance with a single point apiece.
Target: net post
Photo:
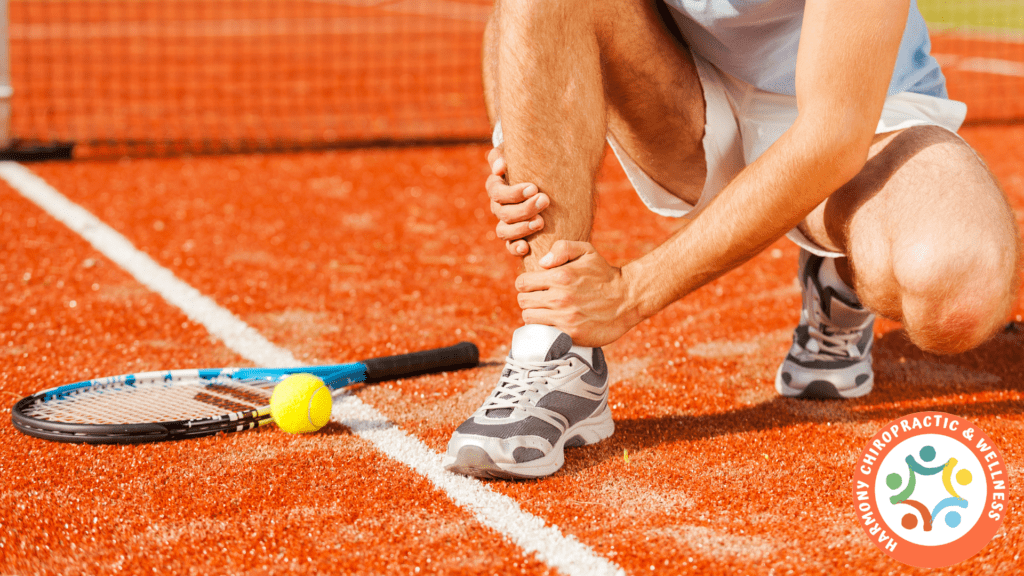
(12, 148)
(6, 90)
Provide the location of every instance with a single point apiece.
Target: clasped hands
(575, 290)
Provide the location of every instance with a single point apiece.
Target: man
(823, 120)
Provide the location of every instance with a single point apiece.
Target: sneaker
(551, 395)
(831, 352)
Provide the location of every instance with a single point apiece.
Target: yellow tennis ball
(301, 403)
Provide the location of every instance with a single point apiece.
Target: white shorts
(742, 121)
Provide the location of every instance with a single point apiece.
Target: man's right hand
(517, 207)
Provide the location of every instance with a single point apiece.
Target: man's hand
(580, 293)
(517, 207)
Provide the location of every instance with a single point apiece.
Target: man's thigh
(656, 106)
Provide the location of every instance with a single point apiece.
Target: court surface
(340, 255)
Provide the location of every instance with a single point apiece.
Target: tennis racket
(178, 404)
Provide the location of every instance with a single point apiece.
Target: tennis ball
(301, 403)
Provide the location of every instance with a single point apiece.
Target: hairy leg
(560, 74)
(930, 238)
(490, 67)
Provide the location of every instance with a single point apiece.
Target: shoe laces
(829, 340)
(523, 383)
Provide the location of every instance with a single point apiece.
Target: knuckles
(502, 232)
(561, 300)
(572, 328)
(510, 232)
(560, 246)
(493, 186)
(561, 277)
(510, 213)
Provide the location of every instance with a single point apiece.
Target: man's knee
(954, 297)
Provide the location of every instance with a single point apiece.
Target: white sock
(533, 342)
(829, 276)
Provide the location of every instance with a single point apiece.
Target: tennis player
(825, 121)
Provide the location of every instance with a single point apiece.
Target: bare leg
(931, 240)
(490, 68)
(561, 73)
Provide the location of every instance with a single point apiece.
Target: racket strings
(166, 401)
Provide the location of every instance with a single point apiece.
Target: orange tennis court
(341, 247)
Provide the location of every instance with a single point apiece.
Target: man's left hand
(578, 292)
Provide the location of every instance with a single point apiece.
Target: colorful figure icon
(894, 481)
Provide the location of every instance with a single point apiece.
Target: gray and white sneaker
(831, 352)
(551, 395)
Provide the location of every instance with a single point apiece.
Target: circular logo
(930, 489)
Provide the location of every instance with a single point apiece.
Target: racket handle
(461, 355)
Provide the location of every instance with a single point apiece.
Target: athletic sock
(829, 276)
(533, 341)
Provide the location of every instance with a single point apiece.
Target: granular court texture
(342, 255)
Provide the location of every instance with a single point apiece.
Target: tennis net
(980, 44)
(157, 77)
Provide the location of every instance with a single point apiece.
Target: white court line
(995, 66)
(491, 509)
(232, 28)
(984, 33)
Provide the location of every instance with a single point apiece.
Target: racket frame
(336, 376)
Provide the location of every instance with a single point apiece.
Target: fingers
(576, 326)
(521, 211)
(516, 206)
(502, 193)
(551, 298)
(553, 277)
(517, 247)
(565, 251)
(549, 317)
(579, 292)
(551, 308)
(518, 230)
(543, 282)
(497, 162)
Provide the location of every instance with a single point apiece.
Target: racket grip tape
(461, 355)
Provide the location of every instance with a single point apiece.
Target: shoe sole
(822, 389)
(475, 461)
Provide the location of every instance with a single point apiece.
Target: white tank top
(756, 41)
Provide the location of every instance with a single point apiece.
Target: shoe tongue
(843, 314)
(536, 343)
